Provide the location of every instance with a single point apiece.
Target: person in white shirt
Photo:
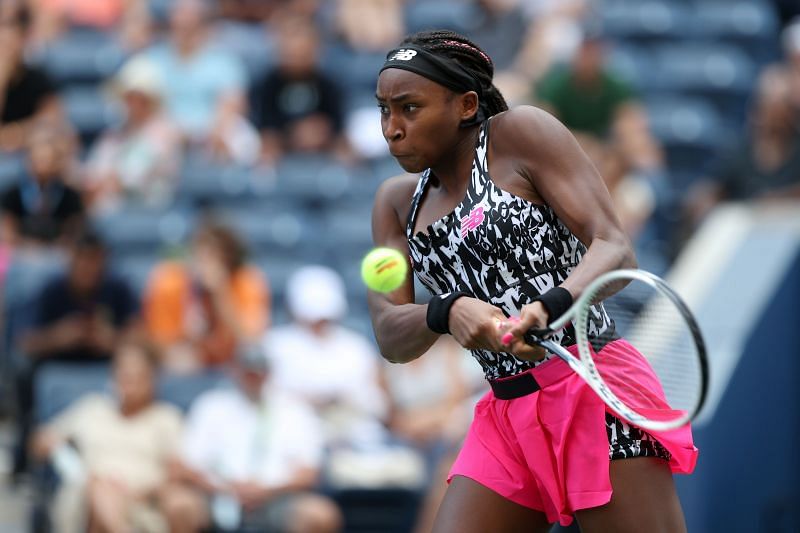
(335, 369)
(249, 460)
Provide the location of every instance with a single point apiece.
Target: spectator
(765, 163)
(586, 96)
(78, 318)
(250, 459)
(139, 160)
(204, 88)
(43, 209)
(298, 108)
(385, 27)
(27, 94)
(199, 311)
(333, 368)
(112, 453)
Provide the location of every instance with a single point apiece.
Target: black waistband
(514, 387)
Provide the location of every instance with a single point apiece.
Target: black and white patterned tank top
(499, 248)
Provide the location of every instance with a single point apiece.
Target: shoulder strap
(415, 200)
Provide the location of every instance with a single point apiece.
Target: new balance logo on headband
(403, 55)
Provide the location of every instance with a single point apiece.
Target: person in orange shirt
(199, 310)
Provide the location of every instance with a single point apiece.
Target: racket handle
(531, 337)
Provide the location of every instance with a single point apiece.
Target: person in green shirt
(585, 95)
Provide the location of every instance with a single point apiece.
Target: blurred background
(185, 197)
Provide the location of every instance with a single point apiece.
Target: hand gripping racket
(648, 314)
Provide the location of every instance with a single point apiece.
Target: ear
(468, 105)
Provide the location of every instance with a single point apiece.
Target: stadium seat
(647, 22)
(424, 15)
(12, 168)
(251, 43)
(751, 25)
(207, 182)
(59, 384)
(691, 130)
(316, 179)
(135, 269)
(634, 64)
(81, 56)
(723, 74)
(90, 110)
(352, 69)
(387, 510)
(182, 391)
(137, 229)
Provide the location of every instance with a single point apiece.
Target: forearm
(401, 330)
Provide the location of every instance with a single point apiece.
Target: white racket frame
(585, 366)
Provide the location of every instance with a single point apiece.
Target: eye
(410, 107)
(383, 108)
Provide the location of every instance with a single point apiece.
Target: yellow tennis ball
(384, 269)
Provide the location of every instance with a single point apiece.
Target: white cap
(316, 293)
(139, 75)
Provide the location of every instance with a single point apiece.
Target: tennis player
(509, 218)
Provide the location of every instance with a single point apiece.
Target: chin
(414, 167)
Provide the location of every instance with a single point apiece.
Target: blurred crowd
(228, 381)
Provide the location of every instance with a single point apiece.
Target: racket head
(653, 345)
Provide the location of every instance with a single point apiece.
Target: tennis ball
(384, 269)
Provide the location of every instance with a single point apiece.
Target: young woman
(509, 217)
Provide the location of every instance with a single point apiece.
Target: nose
(392, 129)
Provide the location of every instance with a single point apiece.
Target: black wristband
(439, 311)
(557, 300)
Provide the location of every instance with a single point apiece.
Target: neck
(455, 167)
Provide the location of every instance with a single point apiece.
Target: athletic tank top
(499, 248)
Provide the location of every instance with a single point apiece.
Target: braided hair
(467, 54)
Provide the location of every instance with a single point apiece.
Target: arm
(549, 158)
(400, 327)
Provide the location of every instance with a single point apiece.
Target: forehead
(395, 81)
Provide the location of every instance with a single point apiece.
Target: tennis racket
(649, 315)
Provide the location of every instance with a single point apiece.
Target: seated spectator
(764, 163)
(249, 460)
(297, 107)
(332, 367)
(43, 209)
(385, 28)
(430, 397)
(139, 160)
(199, 310)
(78, 317)
(111, 453)
(204, 87)
(585, 95)
(27, 94)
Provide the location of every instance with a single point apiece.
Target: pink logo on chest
(471, 221)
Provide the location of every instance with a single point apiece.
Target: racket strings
(659, 330)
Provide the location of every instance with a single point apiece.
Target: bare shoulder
(397, 192)
(525, 123)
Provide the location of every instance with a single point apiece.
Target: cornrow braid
(470, 56)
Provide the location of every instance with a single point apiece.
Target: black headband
(443, 71)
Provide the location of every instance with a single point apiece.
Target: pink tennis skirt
(549, 450)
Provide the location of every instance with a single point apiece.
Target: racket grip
(508, 337)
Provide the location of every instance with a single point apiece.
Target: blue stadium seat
(691, 130)
(751, 25)
(205, 181)
(12, 168)
(138, 229)
(182, 391)
(314, 178)
(90, 110)
(268, 227)
(352, 69)
(81, 56)
(634, 64)
(454, 15)
(646, 22)
(135, 269)
(251, 43)
(59, 384)
(715, 71)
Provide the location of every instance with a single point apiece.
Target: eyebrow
(398, 97)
